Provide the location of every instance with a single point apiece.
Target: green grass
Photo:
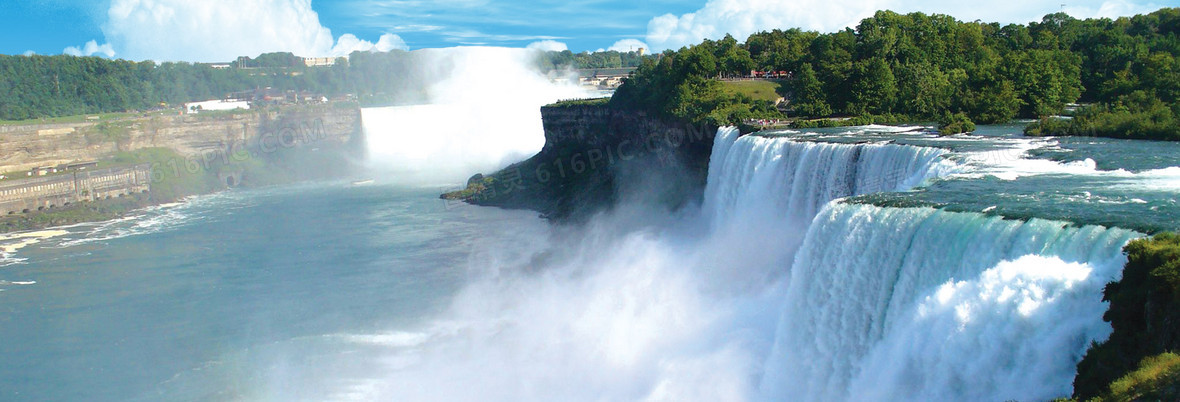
(883, 119)
(755, 89)
(1157, 379)
(580, 102)
(71, 119)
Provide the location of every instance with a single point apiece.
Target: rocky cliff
(24, 147)
(596, 157)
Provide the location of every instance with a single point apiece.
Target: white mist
(483, 113)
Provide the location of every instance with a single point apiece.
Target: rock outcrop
(596, 157)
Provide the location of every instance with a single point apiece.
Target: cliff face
(596, 157)
(1145, 314)
(23, 147)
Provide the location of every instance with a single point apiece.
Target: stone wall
(39, 193)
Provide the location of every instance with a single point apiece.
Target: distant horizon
(219, 31)
(253, 57)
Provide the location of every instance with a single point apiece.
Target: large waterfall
(920, 304)
(782, 285)
(906, 303)
(766, 190)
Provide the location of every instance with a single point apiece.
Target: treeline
(50, 86)
(550, 61)
(682, 85)
(929, 67)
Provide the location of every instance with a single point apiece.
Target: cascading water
(906, 303)
(921, 304)
(765, 190)
(796, 178)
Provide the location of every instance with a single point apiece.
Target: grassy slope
(755, 89)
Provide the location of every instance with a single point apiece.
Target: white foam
(10, 243)
(152, 220)
(922, 304)
(1012, 333)
(1164, 180)
(1014, 161)
(397, 339)
(17, 283)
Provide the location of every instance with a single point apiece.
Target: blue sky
(585, 25)
(218, 30)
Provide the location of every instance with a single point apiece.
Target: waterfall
(764, 191)
(882, 303)
(780, 288)
(922, 304)
(797, 178)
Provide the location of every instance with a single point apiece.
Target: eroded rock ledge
(596, 157)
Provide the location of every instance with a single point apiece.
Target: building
(37, 193)
(319, 61)
(603, 78)
(43, 170)
(81, 165)
(219, 104)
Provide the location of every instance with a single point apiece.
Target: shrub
(957, 123)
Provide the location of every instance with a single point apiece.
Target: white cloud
(349, 43)
(29, 53)
(548, 46)
(221, 30)
(1111, 9)
(90, 49)
(629, 45)
(744, 17)
(389, 42)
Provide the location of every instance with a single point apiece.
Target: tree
(874, 88)
(1045, 80)
(923, 89)
(734, 60)
(808, 97)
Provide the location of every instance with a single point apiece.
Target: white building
(319, 61)
(197, 107)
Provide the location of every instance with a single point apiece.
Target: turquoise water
(231, 296)
(1101, 181)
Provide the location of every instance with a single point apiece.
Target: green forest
(35, 86)
(922, 67)
(606, 59)
(51, 86)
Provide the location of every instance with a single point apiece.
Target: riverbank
(93, 211)
(183, 156)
